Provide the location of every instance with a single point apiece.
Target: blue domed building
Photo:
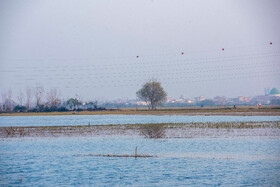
(274, 92)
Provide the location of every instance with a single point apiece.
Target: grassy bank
(248, 111)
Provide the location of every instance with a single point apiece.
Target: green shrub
(20, 108)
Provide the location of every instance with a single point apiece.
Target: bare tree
(38, 93)
(7, 100)
(53, 98)
(28, 97)
(10, 101)
(4, 98)
(152, 93)
(80, 99)
(20, 98)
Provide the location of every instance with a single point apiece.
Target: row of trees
(151, 92)
(32, 101)
(24, 100)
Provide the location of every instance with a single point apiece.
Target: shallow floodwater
(179, 162)
(64, 120)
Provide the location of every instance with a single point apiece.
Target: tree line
(32, 100)
(37, 100)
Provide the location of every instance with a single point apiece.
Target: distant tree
(7, 101)
(20, 98)
(73, 103)
(20, 108)
(10, 101)
(92, 105)
(53, 100)
(4, 98)
(28, 97)
(38, 93)
(152, 93)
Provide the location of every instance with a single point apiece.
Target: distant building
(262, 99)
(220, 100)
(184, 97)
(141, 103)
(244, 99)
(169, 99)
(274, 92)
(201, 98)
(266, 91)
(179, 100)
(190, 101)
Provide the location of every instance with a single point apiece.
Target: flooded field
(200, 151)
(195, 162)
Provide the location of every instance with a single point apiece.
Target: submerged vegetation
(135, 155)
(126, 156)
(269, 129)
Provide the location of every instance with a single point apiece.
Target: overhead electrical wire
(143, 65)
(169, 67)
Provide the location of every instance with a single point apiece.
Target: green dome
(274, 91)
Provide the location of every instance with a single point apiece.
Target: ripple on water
(194, 162)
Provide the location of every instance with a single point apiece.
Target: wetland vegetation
(267, 129)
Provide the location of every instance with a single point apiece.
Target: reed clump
(153, 131)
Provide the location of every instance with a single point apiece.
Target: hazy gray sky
(90, 48)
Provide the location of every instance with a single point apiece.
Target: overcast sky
(90, 48)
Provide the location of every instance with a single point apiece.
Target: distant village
(271, 97)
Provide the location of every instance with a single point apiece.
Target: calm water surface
(194, 162)
(121, 119)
